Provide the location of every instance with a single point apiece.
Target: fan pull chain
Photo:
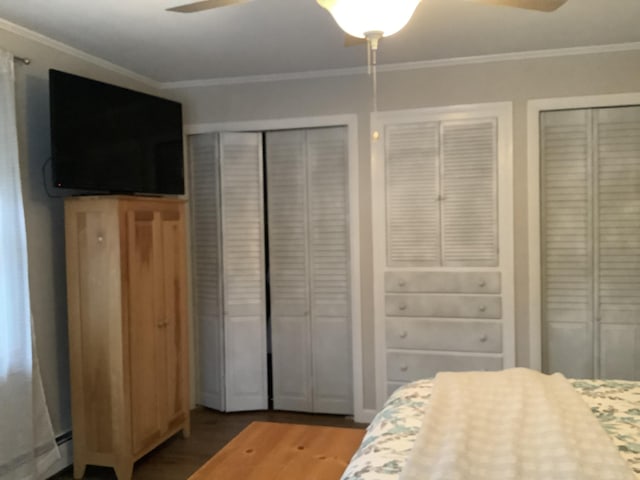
(374, 81)
(372, 64)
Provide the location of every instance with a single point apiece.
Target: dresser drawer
(448, 335)
(442, 282)
(449, 306)
(406, 367)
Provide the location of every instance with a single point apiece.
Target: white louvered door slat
(241, 187)
(469, 193)
(205, 206)
(618, 225)
(412, 194)
(567, 264)
(288, 271)
(329, 270)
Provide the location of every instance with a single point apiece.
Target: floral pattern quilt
(391, 434)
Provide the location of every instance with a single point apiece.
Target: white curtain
(27, 443)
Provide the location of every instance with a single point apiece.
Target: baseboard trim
(365, 415)
(65, 445)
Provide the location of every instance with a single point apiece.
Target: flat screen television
(108, 139)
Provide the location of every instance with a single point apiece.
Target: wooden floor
(178, 458)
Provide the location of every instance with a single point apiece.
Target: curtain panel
(27, 444)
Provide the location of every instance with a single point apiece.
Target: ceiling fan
(540, 5)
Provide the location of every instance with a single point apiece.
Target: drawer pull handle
(100, 239)
(402, 306)
(482, 284)
(483, 308)
(403, 334)
(402, 283)
(404, 368)
(484, 338)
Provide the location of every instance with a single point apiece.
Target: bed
(391, 435)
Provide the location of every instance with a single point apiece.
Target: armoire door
(590, 239)
(175, 402)
(145, 326)
(309, 259)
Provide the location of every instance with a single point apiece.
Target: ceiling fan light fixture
(360, 17)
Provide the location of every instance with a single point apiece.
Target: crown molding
(406, 66)
(74, 52)
(312, 74)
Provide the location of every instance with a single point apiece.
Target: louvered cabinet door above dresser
(443, 243)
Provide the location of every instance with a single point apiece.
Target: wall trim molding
(65, 446)
(534, 108)
(63, 47)
(312, 74)
(405, 66)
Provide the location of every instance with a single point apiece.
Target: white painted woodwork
(469, 193)
(454, 306)
(444, 334)
(590, 241)
(243, 267)
(289, 270)
(442, 282)
(406, 366)
(443, 242)
(412, 192)
(206, 267)
(309, 262)
(227, 214)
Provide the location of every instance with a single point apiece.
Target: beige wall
(44, 215)
(514, 81)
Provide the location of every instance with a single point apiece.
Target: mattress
(391, 434)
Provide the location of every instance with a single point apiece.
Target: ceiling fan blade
(540, 5)
(204, 5)
(351, 41)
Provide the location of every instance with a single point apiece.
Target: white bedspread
(515, 424)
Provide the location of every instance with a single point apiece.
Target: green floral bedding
(390, 436)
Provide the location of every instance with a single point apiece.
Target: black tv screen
(110, 139)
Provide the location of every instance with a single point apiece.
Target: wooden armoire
(127, 308)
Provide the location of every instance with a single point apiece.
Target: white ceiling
(290, 36)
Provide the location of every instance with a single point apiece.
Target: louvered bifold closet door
(205, 252)
(566, 243)
(241, 194)
(469, 196)
(309, 261)
(618, 238)
(329, 270)
(288, 270)
(412, 194)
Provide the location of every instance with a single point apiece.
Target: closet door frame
(351, 123)
(502, 112)
(534, 109)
